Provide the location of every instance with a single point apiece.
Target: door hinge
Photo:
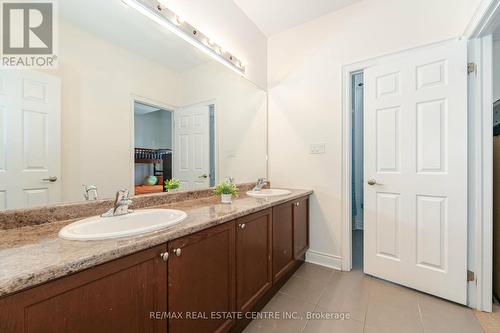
(471, 68)
(470, 276)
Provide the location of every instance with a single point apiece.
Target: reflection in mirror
(130, 105)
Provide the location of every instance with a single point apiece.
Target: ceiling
(116, 22)
(274, 16)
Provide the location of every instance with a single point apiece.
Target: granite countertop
(32, 255)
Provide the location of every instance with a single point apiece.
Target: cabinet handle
(242, 225)
(164, 256)
(178, 252)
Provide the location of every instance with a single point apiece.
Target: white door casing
(30, 149)
(191, 140)
(416, 151)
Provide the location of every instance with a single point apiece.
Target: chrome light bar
(168, 19)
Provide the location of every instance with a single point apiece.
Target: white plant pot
(226, 198)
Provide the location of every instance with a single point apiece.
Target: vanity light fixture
(155, 11)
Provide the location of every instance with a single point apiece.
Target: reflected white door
(191, 153)
(30, 126)
(416, 152)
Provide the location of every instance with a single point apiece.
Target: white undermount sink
(268, 192)
(136, 223)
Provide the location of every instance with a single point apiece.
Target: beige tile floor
(373, 305)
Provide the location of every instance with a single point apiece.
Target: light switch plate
(317, 148)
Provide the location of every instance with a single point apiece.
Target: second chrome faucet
(261, 182)
(120, 207)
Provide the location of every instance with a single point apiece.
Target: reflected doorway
(153, 141)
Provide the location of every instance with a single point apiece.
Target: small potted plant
(172, 184)
(226, 191)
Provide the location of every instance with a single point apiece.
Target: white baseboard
(324, 259)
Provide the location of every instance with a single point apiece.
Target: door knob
(164, 256)
(372, 182)
(50, 179)
(178, 252)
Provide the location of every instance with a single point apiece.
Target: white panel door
(416, 152)
(191, 142)
(30, 152)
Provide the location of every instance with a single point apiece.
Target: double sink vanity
(184, 266)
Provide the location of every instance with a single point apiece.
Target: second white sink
(136, 223)
(268, 192)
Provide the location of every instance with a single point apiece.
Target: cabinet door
(201, 280)
(253, 258)
(283, 258)
(119, 296)
(300, 227)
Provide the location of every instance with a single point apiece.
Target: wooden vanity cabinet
(290, 235)
(118, 296)
(201, 280)
(235, 266)
(253, 258)
(300, 227)
(283, 256)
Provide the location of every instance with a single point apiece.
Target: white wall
(305, 93)
(153, 130)
(496, 70)
(225, 23)
(98, 82)
(240, 116)
(357, 165)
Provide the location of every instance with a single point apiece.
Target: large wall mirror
(130, 105)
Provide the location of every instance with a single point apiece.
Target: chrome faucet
(122, 201)
(90, 192)
(261, 182)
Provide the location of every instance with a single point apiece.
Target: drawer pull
(164, 256)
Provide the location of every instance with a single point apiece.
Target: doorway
(357, 170)
(153, 144)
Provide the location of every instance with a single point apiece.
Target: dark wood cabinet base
(235, 266)
(243, 323)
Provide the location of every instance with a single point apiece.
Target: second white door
(192, 146)
(416, 170)
(30, 131)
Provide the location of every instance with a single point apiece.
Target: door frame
(150, 102)
(478, 32)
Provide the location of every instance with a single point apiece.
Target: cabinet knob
(177, 252)
(297, 204)
(242, 225)
(164, 256)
